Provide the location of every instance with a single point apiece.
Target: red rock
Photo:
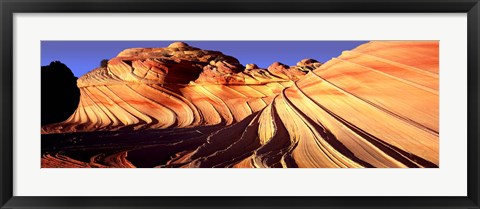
(168, 87)
(251, 67)
(178, 45)
(307, 62)
(374, 106)
(284, 71)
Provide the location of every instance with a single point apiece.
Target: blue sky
(83, 56)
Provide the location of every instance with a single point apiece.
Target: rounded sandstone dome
(178, 45)
(251, 66)
(306, 62)
(278, 64)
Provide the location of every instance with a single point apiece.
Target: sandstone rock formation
(373, 106)
(177, 86)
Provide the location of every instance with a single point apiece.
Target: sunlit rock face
(373, 106)
(176, 86)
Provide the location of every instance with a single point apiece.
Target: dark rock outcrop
(60, 94)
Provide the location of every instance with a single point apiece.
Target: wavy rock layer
(177, 86)
(373, 106)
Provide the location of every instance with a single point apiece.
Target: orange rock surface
(373, 106)
(177, 86)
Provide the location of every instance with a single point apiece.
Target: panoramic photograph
(240, 104)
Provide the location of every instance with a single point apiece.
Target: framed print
(195, 104)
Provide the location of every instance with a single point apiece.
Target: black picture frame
(9, 7)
